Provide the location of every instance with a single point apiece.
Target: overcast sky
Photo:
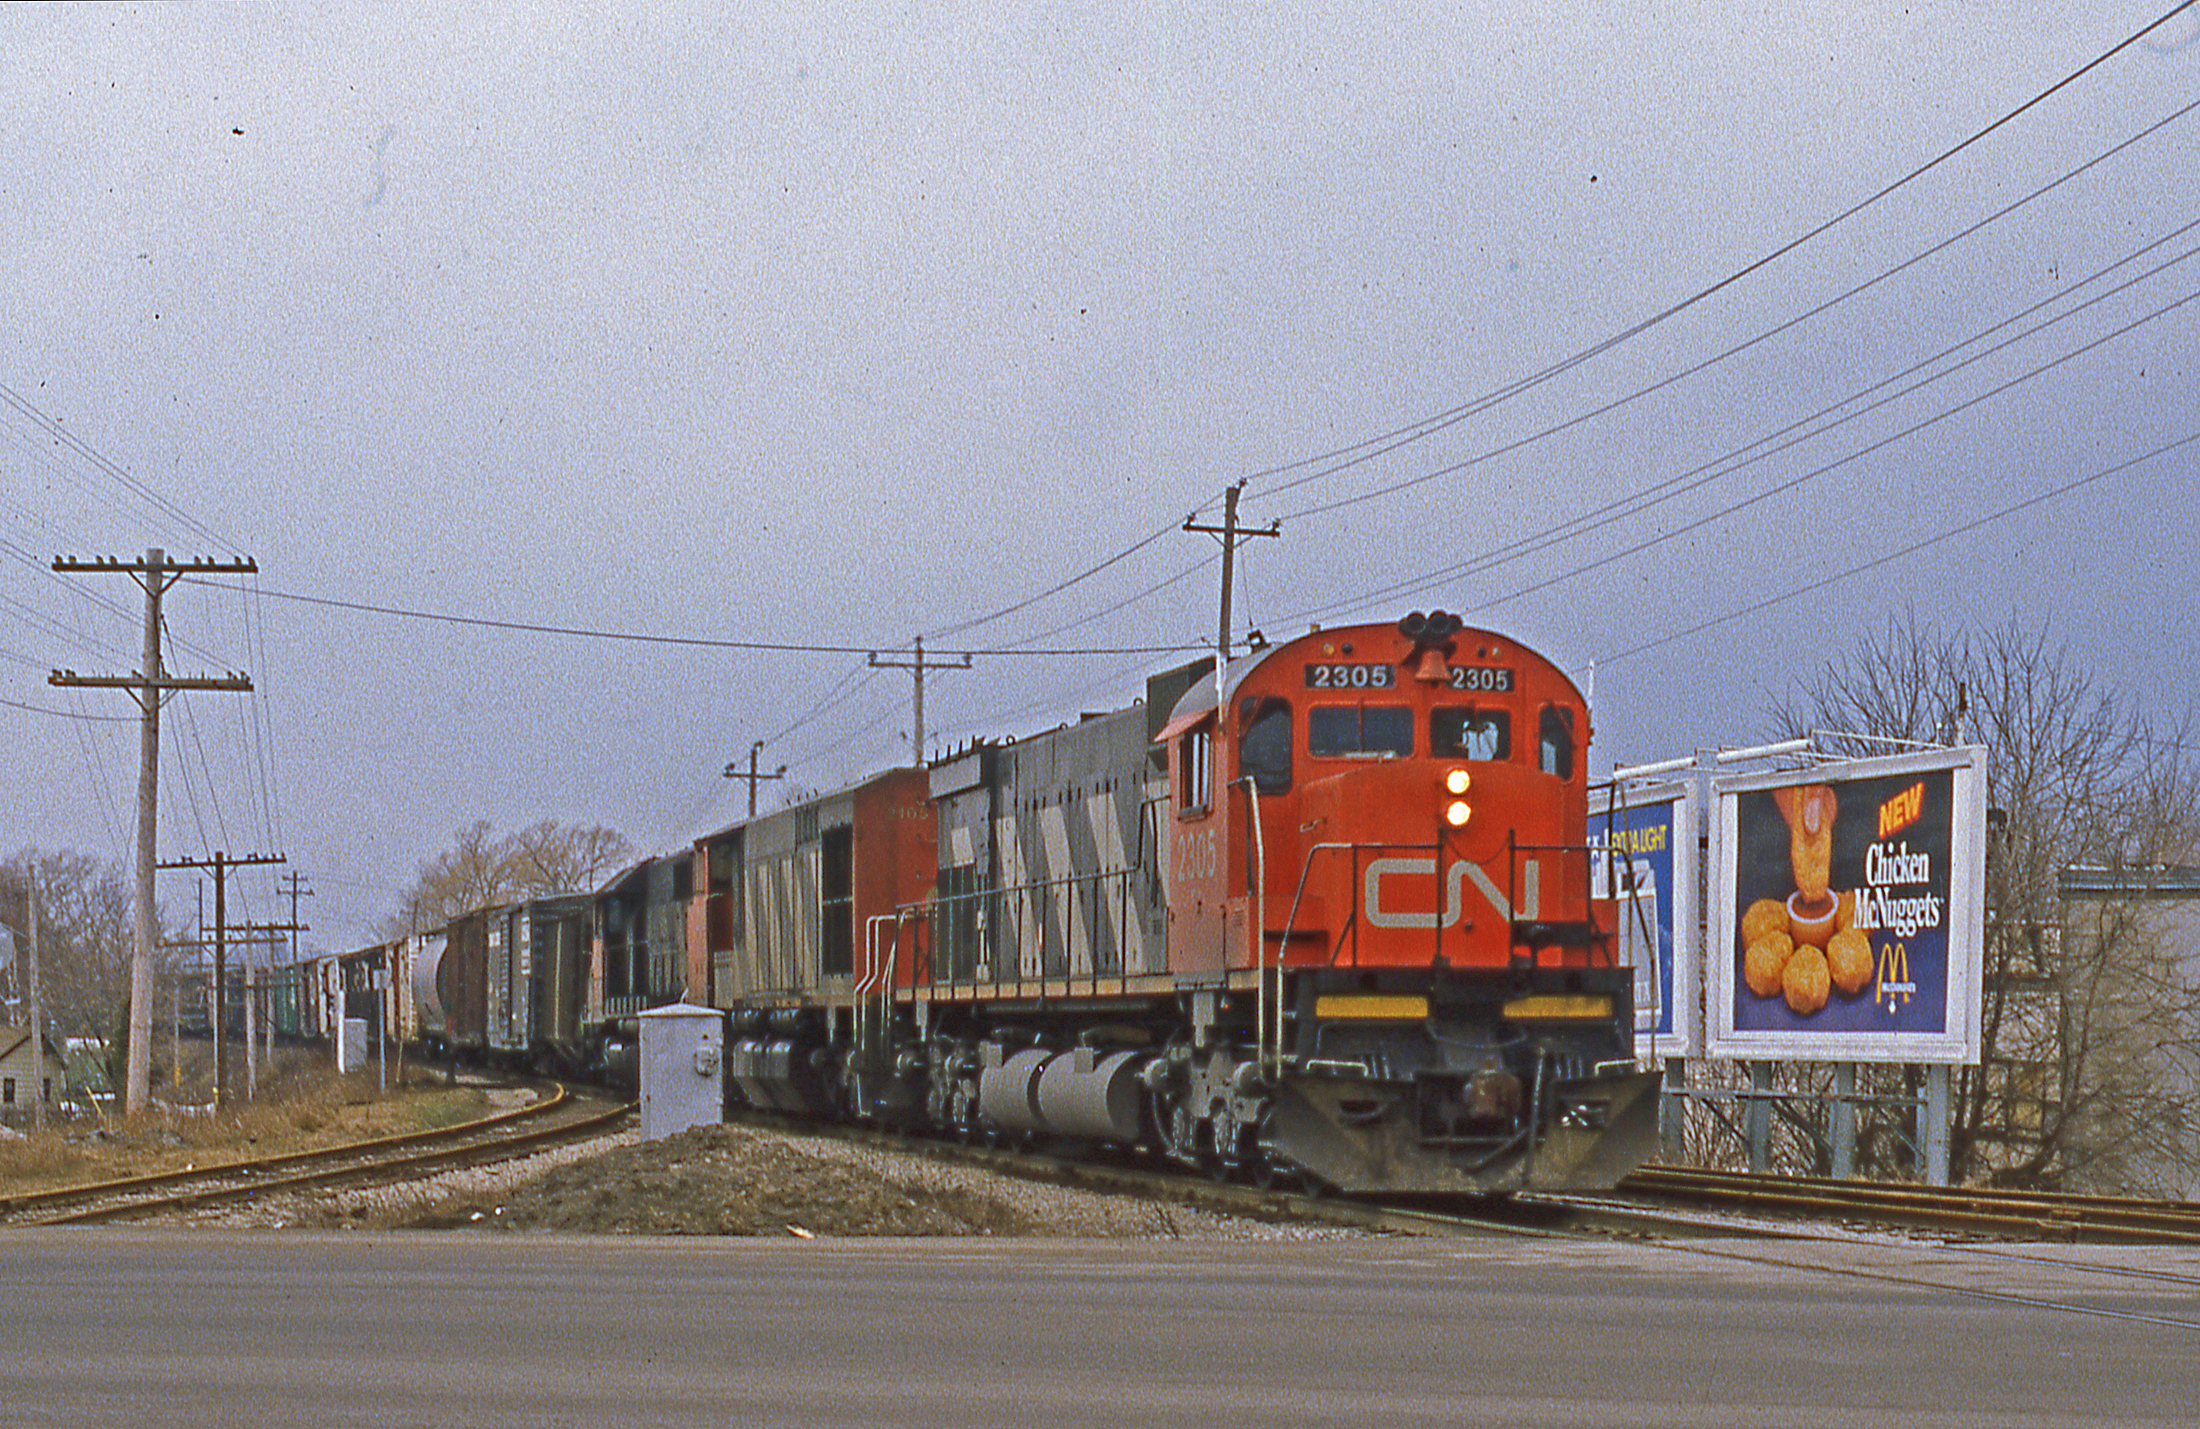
(844, 325)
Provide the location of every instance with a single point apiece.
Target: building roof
(13, 1038)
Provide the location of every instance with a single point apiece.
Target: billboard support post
(1844, 1120)
(1936, 1124)
(1673, 1110)
(1760, 1117)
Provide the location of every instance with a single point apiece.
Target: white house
(22, 1076)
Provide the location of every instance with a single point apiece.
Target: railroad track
(2030, 1215)
(1121, 1174)
(1648, 1205)
(546, 1122)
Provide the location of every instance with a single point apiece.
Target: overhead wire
(97, 768)
(1950, 533)
(1673, 379)
(1812, 475)
(1204, 563)
(1126, 553)
(261, 730)
(113, 470)
(67, 714)
(1785, 438)
(1370, 448)
(803, 647)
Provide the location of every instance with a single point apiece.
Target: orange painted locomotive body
(1323, 914)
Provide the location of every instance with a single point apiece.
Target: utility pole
(733, 771)
(296, 892)
(291, 883)
(222, 865)
(1231, 535)
(155, 574)
(269, 936)
(38, 1011)
(919, 666)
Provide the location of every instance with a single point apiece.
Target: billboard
(1846, 911)
(1648, 864)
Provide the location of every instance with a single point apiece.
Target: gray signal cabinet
(683, 1069)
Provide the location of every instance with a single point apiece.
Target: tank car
(1325, 912)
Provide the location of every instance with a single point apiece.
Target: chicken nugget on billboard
(1805, 981)
(1765, 961)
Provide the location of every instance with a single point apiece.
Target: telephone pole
(1231, 534)
(38, 1012)
(734, 771)
(290, 883)
(919, 666)
(155, 574)
(222, 865)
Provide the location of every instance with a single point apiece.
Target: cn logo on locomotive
(1455, 881)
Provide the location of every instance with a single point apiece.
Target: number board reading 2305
(1494, 678)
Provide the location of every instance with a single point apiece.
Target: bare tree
(2076, 1031)
(89, 934)
(557, 858)
(482, 870)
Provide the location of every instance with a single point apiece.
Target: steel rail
(371, 1158)
(1980, 1210)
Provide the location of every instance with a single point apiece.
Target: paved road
(155, 1328)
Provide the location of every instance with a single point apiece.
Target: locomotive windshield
(1264, 751)
(1464, 732)
(1359, 732)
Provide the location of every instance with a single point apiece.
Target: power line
(1809, 476)
(1086, 574)
(1506, 449)
(693, 641)
(73, 442)
(1910, 550)
(1426, 426)
(1783, 439)
(70, 714)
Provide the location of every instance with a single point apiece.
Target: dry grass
(301, 1106)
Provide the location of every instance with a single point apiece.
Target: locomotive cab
(1435, 1005)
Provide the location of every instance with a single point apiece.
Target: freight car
(1324, 913)
(508, 985)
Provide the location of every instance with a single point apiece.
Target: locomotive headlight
(1456, 813)
(1456, 782)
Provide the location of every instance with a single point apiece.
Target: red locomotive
(1324, 914)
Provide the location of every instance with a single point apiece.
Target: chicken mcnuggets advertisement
(1852, 911)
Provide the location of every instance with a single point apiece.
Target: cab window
(1464, 732)
(1194, 761)
(1556, 741)
(1359, 732)
(1264, 750)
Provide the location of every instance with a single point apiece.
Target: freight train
(1324, 913)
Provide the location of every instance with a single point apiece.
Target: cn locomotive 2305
(1324, 913)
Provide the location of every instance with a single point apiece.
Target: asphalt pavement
(146, 1327)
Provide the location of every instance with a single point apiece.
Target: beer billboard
(1646, 863)
(1847, 905)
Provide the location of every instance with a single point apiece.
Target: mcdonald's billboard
(1847, 911)
(1647, 864)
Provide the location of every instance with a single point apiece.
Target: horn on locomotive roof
(1436, 625)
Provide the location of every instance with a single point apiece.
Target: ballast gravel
(738, 1180)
